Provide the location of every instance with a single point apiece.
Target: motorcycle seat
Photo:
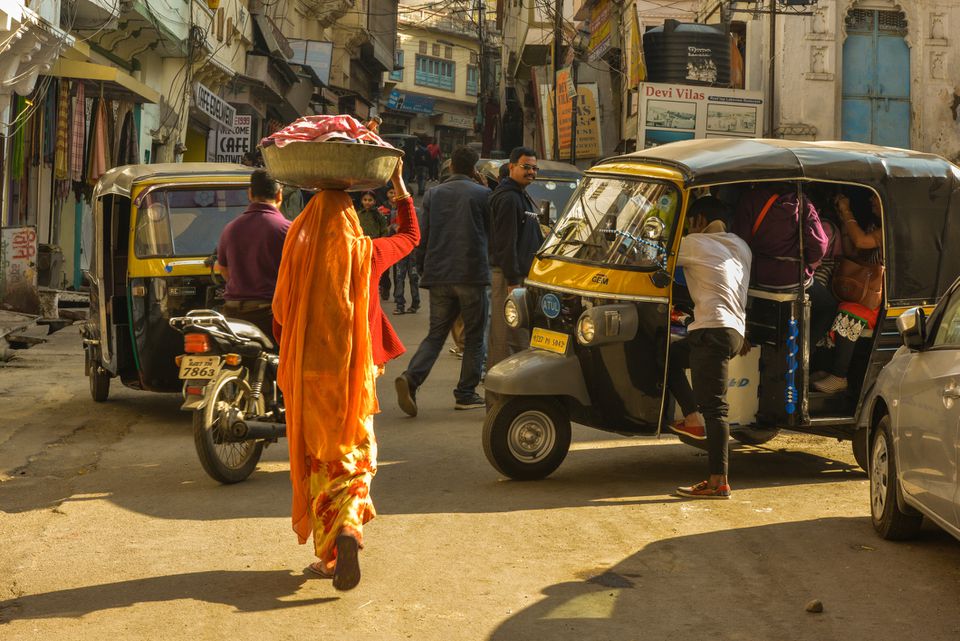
(250, 332)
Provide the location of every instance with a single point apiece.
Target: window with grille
(474, 57)
(423, 47)
(397, 62)
(473, 80)
(448, 53)
(435, 72)
(436, 50)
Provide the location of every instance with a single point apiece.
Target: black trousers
(706, 353)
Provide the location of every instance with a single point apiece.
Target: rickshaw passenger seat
(251, 332)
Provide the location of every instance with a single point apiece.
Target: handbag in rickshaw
(860, 283)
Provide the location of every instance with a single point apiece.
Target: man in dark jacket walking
(515, 237)
(454, 267)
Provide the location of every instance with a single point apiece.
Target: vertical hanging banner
(588, 122)
(601, 34)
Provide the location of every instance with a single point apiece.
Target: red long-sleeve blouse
(386, 252)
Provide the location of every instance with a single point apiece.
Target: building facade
(875, 71)
(434, 88)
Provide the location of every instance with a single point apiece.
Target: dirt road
(111, 530)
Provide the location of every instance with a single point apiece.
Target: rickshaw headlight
(516, 309)
(511, 313)
(586, 330)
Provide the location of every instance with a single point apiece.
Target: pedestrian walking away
(455, 270)
(334, 341)
(404, 270)
(716, 265)
(515, 237)
(248, 253)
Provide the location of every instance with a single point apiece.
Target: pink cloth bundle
(339, 128)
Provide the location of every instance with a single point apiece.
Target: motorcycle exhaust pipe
(243, 430)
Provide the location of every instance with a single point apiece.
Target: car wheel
(526, 438)
(888, 519)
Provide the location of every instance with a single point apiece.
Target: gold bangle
(850, 220)
(400, 197)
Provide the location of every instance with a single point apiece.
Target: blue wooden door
(876, 79)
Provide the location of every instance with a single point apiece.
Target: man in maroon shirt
(248, 253)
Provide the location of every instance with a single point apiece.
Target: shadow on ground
(755, 583)
(253, 591)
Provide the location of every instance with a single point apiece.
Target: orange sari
(326, 369)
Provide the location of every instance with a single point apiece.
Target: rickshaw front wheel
(99, 383)
(754, 435)
(526, 438)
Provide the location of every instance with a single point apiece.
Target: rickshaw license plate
(548, 340)
(199, 367)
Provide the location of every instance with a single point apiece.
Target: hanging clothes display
(49, 142)
(19, 140)
(97, 156)
(78, 135)
(60, 168)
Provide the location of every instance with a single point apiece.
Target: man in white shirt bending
(716, 265)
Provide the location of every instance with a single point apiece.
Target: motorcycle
(229, 374)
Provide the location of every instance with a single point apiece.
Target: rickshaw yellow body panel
(594, 281)
(181, 265)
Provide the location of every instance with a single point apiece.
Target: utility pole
(557, 42)
(773, 69)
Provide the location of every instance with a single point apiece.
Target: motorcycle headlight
(586, 330)
(511, 313)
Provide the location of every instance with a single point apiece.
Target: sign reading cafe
(218, 109)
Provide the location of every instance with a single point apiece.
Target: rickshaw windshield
(616, 222)
(556, 192)
(185, 222)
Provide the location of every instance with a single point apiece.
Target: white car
(914, 437)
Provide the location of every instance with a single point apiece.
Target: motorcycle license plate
(548, 340)
(199, 367)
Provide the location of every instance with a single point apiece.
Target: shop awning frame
(116, 82)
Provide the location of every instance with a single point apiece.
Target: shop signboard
(19, 253)
(670, 112)
(213, 106)
(409, 102)
(459, 121)
(230, 146)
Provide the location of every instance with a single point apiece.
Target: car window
(948, 329)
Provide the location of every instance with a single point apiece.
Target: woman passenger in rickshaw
(862, 241)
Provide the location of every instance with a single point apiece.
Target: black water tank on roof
(688, 53)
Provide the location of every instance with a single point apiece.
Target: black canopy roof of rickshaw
(920, 193)
(119, 180)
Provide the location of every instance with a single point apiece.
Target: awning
(116, 83)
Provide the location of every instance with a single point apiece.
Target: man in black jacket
(454, 267)
(514, 239)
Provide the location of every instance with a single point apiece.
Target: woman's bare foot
(346, 575)
(321, 569)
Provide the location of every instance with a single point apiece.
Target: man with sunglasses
(515, 237)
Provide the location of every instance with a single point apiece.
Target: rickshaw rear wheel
(754, 435)
(526, 438)
(225, 461)
(99, 383)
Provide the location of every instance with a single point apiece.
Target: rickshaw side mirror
(912, 325)
(544, 215)
(660, 278)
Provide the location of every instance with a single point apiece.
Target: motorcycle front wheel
(225, 461)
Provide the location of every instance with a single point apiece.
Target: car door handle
(952, 390)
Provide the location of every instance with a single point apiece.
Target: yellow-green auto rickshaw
(601, 294)
(155, 227)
